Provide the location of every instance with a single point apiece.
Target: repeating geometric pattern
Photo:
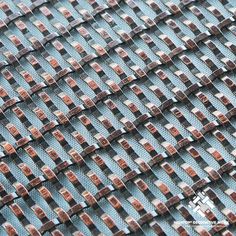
(114, 114)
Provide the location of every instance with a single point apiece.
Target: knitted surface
(117, 117)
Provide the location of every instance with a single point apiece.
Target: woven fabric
(117, 117)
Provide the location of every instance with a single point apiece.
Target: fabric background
(15, 160)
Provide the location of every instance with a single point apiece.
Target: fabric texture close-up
(117, 117)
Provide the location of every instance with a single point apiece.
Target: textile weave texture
(117, 117)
